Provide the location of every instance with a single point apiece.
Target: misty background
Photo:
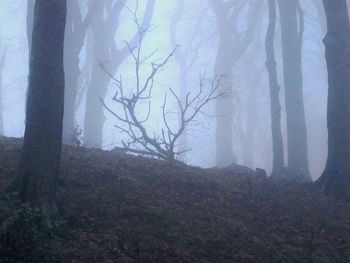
(197, 34)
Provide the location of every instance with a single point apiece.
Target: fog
(199, 35)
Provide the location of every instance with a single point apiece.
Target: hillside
(122, 208)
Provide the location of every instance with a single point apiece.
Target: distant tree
(182, 61)
(29, 22)
(252, 71)
(277, 142)
(186, 56)
(40, 158)
(292, 30)
(232, 45)
(104, 26)
(75, 38)
(335, 180)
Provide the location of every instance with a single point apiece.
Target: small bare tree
(141, 140)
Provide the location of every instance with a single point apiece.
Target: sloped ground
(122, 208)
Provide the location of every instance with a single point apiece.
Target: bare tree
(141, 140)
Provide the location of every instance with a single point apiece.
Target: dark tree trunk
(40, 158)
(277, 142)
(2, 64)
(335, 180)
(292, 33)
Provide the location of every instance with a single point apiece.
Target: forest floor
(123, 208)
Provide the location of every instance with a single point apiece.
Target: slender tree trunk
(224, 107)
(335, 180)
(2, 64)
(76, 30)
(277, 142)
(85, 76)
(40, 158)
(94, 113)
(292, 30)
(182, 62)
(74, 41)
(248, 147)
(29, 22)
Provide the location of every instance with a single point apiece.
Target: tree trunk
(277, 142)
(292, 35)
(40, 158)
(29, 22)
(182, 62)
(232, 45)
(224, 107)
(106, 52)
(2, 64)
(76, 31)
(251, 109)
(94, 113)
(335, 180)
(74, 41)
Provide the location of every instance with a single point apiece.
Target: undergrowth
(24, 236)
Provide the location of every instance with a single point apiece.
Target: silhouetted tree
(335, 180)
(141, 139)
(292, 29)
(40, 158)
(277, 142)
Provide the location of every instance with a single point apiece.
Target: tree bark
(2, 64)
(275, 105)
(292, 34)
(335, 180)
(40, 158)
